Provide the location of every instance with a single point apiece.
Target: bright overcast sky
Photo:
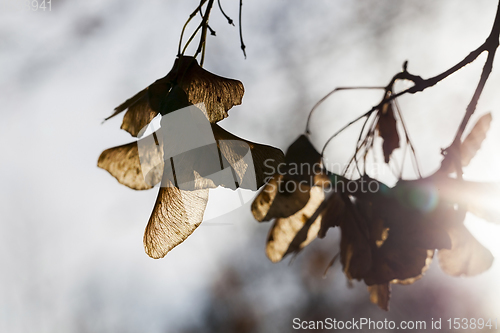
(71, 236)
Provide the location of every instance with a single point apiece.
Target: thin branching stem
(342, 129)
(358, 145)
(203, 53)
(490, 45)
(212, 31)
(193, 14)
(204, 24)
(362, 144)
(328, 95)
(229, 20)
(191, 39)
(408, 140)
(241, 32)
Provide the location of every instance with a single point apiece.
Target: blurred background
(71, 254)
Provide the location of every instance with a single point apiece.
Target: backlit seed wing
(251, 171)
(428, 261)
(265, 199)
(186, 84)
(333, 215)
(137, 169)
(472, 143)
(284, 230)
(287, 192)
(218, 94)
(175, 216)
(467, 256)
(380, 295)
(138, 115)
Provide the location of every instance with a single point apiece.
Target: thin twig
(241, 32)
(408, 140)
(204, 24)
(342, 129)
(191, 39)
(193, 14)
(328, 95)
(490, 45)
(420, 84)
(358, 147)
(212, 31)
(229, 20)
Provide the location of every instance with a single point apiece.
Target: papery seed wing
(216, 93)
(284, 230)
(252, 163)
(138, 115)
(380, 295)
(138, 165)
(467, 257)
(175, 216)
(472, 143)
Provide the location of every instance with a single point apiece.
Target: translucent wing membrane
(175, 216)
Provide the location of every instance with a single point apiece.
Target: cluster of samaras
(388, 236)
(179, 211)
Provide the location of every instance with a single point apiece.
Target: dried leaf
(333, 214)
(389, 236)
(264, 200)
(288, 190)
(303, 162)
(428, 261)
(234, 149)
(467, 256)
(472, 143)
(139, 97)
(305, 235)
(175, 216)
(413, 234)
(355, 249)
(380, 295)
(391, 240)
(397, 261)
(218, 94)
(230, 162)
(244, 163)
(284, 230)
(186, 84)
(124, 163)
(138, 115)
(388, 131)
(414, 211)
(275, 201)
